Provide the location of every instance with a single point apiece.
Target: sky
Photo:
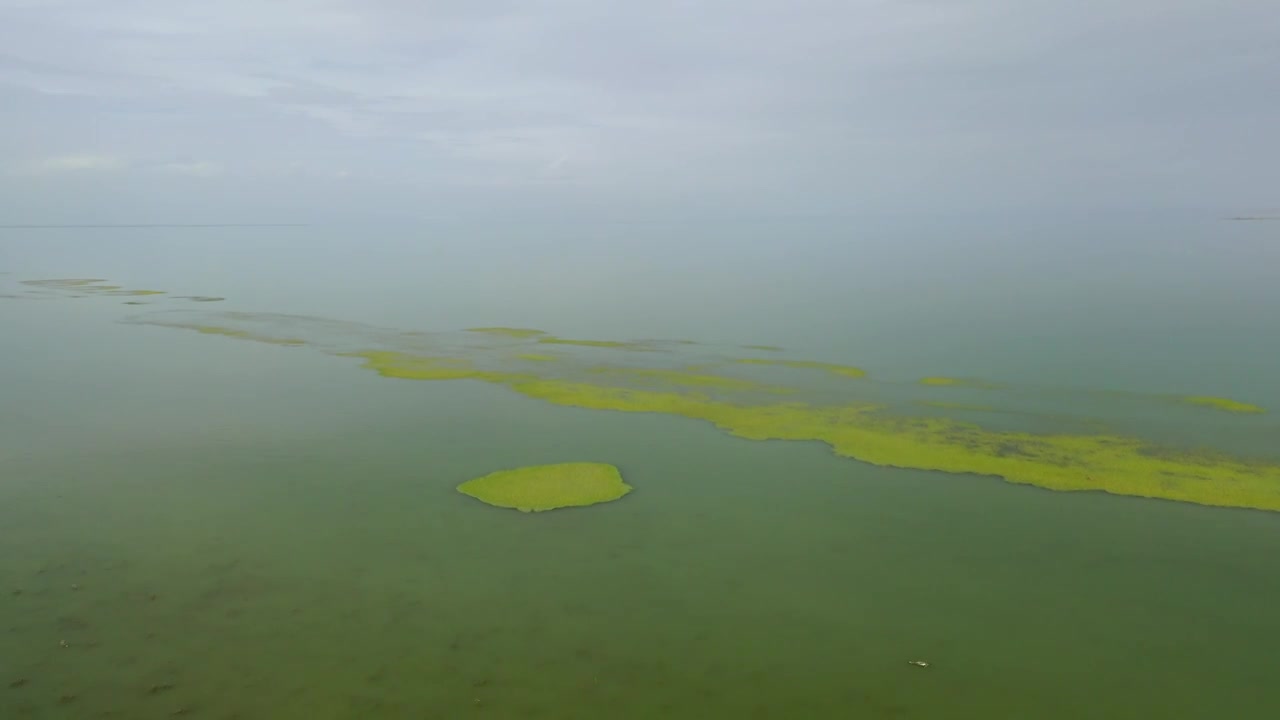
(326, 110)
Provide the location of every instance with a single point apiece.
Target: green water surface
(192, 526)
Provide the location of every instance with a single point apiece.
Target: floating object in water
(918, 663)
(547, 487)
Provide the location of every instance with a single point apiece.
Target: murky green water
(194, 526)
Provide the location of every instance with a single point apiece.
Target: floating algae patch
(68, 283)
(685, 379)
(833, 368)
(323, 334)
(405, 366)
(1050, 458)
(508, 332)
(763, 348)
(135, 293)
(89, 285)
(547, 487)
(245, 335)
(1114, 464)
(1223, 404)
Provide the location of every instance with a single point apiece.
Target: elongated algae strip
(89, 285)
(135, 293)
(1223, 404)
(1115, 464)
(413, 367)
(548, 487)
(245, 335)
(64, 282)
(617, 344)
(867, 432)
(508, 332)
(1118, 465)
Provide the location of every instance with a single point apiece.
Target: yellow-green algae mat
(870, 431)
(547, 487)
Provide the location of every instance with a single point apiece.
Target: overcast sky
(306, 110)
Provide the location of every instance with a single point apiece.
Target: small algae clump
(547, 487)
(1223, 404)
(833, 368)
(508, 332)
(763, 348)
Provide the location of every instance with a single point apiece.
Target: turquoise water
(197, 526)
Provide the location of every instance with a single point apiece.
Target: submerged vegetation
(1223, 404)
(548, 487)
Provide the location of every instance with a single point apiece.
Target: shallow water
(198, 526)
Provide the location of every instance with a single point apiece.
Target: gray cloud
(570, 106)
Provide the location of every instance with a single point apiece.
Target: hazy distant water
(228, 529)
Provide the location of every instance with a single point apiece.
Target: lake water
(196, 526)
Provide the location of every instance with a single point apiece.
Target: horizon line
(147, 225)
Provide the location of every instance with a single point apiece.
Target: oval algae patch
(547, 487)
